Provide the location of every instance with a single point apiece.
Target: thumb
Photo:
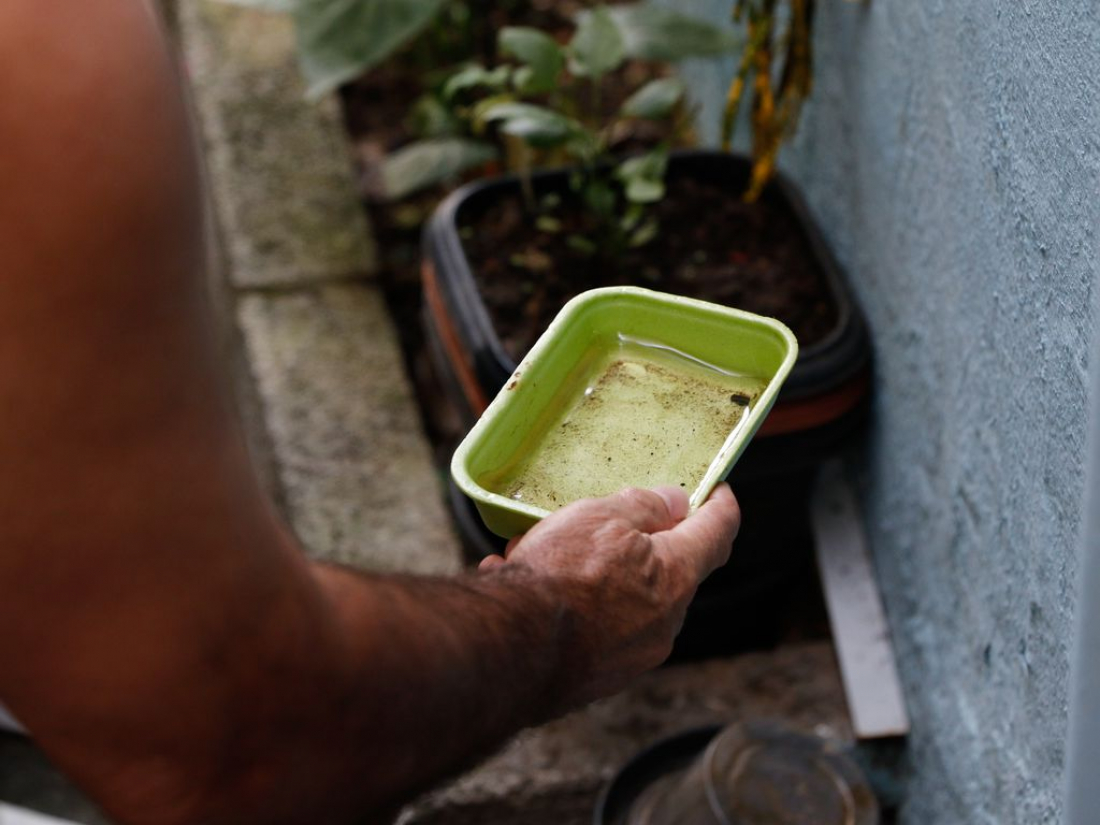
(651, 511)
(704, 539)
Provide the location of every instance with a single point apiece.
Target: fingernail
(675, 499)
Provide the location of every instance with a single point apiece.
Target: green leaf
(644, 190)
(472, 77)
(430, 118)
(542, 128)
(658, 33)
(340, 39)
(650, 165)
(581, 244)
(522, 78)
(539, 53)
(548, 224)
(599, 197)
(431, 162)
(597, 47)
(655, 100)
(644, 234)
(643, 177)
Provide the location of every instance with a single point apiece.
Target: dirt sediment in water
(639, 421)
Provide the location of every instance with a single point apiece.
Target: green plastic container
(627, 387)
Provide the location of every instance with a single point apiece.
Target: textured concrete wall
(952, 152)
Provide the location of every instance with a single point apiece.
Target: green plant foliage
(541, 56)
(545, 104)
(655, 100)
(428, 162)
(658, 33)
(559, 108)
(598, 46)
(340, 39)
(430, 117)
(473, 77)
(540, 127)
(643, 177)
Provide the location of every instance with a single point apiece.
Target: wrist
(551, 608)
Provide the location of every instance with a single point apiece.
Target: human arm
(160, 632)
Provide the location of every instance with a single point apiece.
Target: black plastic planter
(822, 403)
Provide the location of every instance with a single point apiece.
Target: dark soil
(711, 245)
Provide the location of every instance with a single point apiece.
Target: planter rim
(442, 242)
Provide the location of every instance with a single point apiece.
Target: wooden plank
(860, 630)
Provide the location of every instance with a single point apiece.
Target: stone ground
(338, 440)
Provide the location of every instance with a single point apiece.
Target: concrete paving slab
(552, 774)
(280, 169)
(354, 465)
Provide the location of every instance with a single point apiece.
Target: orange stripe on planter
(456, 353)
(797, 416)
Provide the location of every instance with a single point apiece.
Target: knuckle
(636, 497)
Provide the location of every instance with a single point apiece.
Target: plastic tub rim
(715, 472)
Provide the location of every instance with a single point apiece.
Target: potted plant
(501, 256)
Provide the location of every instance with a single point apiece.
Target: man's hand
(625, 568)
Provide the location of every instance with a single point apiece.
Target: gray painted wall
(952, 153)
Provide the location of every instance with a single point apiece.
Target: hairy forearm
(289, 691)
(421, 678)
(447, 668)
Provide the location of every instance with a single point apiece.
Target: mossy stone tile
(351, 456)
(280, 168)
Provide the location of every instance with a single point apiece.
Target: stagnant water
(642, 415)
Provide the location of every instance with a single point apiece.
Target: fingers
(704, 539)
(651, 511)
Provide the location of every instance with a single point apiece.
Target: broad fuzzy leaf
(340, 39)
(655, 100)
(539, 53)
(598, 46)
(658, 33)
(430, 162)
